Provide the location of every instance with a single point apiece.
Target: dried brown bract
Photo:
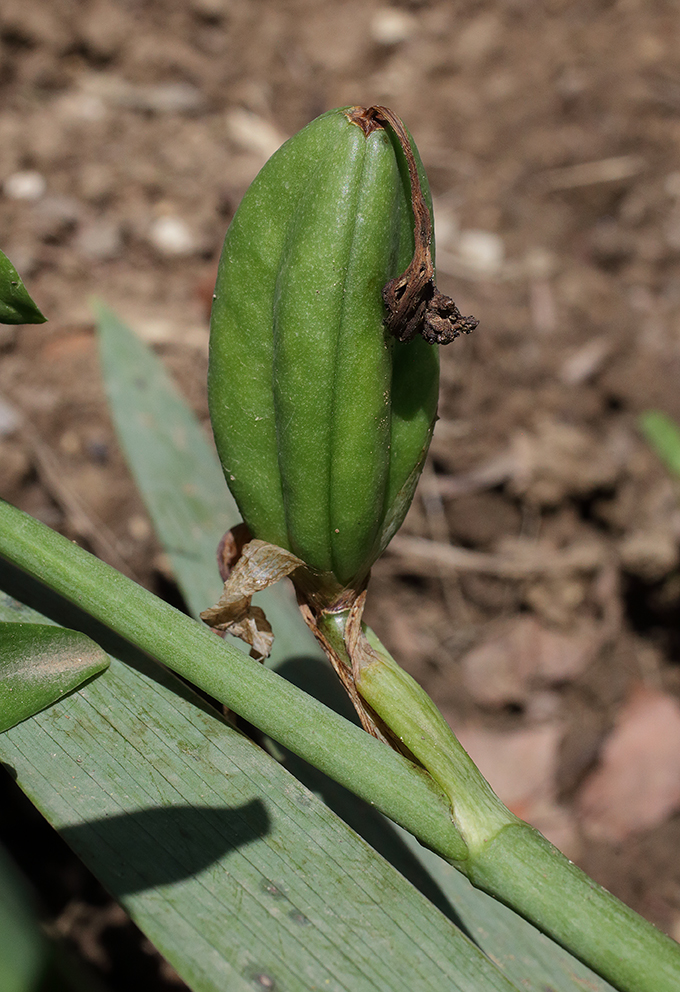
(414, 304)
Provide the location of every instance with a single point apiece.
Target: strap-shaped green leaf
(16, 306)
(39, 664)
(237, 873)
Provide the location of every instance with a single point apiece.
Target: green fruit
(321, 416)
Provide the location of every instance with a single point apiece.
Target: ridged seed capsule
(324, 372)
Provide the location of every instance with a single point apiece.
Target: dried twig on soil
(85, 523)
(489, 474)
(606, 170)
(523, 560)
(438, 527)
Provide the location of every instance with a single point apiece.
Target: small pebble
(171, 236)
(482, 250)
(165, 98)
(156, 98)
(252, 133)
(26, 185)
(390, 26)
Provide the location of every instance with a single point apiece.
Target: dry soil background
(129, 129)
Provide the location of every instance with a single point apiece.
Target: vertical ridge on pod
(241, 342)
(307, 315)
(361, 421)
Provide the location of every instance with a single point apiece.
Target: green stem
(410, 714)
(506, 857)
(288, 715)
(523, 870)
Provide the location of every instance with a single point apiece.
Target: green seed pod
(322, 395)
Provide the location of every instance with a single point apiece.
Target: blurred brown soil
(550, 131)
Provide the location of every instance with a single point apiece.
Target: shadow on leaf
(155, 847)
(317, 678)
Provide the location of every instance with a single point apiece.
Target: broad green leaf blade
(526, 956)
(532, 960)
(39, 664)
(663, 435)
(24, 950)
(16, 306)
(179, 477)
(175, 468)
(235, 871)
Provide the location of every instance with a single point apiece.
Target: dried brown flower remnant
(251, 569)
(414, 304)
